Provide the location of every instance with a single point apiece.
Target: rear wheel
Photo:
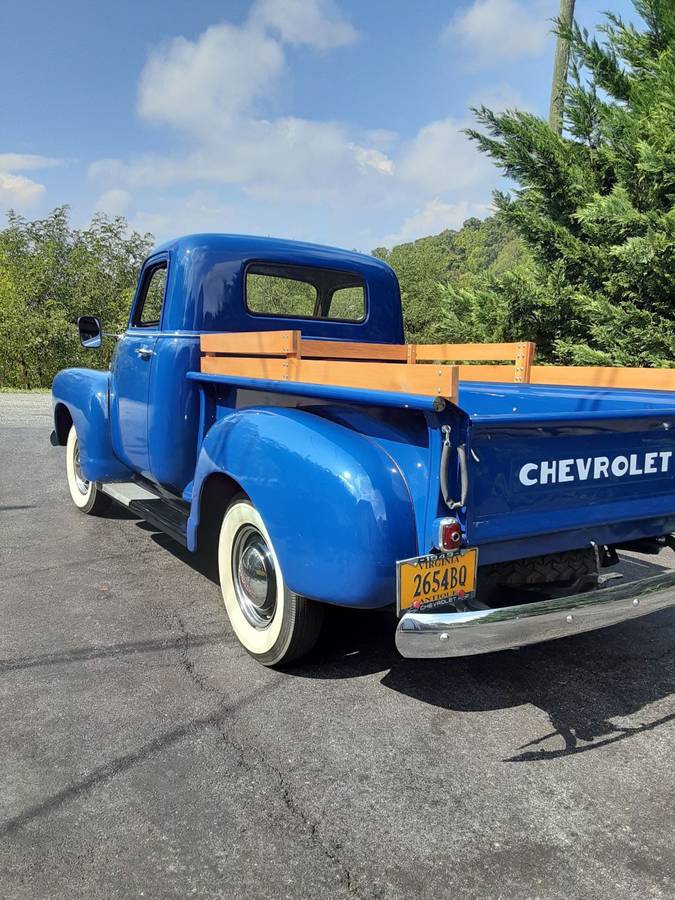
(272, 623)
(86, 495)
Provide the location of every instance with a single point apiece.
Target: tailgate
(533, 476)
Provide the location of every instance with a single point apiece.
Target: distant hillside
(434, 272)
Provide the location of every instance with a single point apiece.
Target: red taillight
(451, 535)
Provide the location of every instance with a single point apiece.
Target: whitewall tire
(272, 623)
(86, 495)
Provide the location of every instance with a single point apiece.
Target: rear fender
(80, 397)
(336, 505)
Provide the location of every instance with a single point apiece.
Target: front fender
(336, 505)
(84, 394)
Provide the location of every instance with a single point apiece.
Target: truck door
(132, 367)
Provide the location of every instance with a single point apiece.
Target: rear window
(305, 292)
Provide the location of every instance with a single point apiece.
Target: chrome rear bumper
(435, 635)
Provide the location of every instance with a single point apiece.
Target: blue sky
(329, 120)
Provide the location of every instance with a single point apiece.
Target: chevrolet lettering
(558, 471)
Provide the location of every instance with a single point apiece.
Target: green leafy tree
(596, 205)
(448, 281)
(420, 267)
(50, 274)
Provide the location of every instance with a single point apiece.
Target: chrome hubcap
(255, 582)
(80, 480)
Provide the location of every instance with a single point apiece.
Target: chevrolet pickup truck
(262, 405)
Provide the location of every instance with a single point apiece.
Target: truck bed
(548, 468)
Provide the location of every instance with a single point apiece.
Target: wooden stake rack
(402, 368)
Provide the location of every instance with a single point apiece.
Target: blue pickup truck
(483, 512)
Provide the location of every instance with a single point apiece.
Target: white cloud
(441, 158)
(218, 91)
(114, 202)
(382, 138)
(291, 159)
(20, 162)
(201, 86)
(492, 32)
(369, 157)
(435, 216)
(319, 23)
(212, 88)
(149, 171)
(194, 212)
(17, 190)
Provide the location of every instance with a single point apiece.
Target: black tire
(279, 627)
(86, 495)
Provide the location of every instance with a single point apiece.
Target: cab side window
(148, 311)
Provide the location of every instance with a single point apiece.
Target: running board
(166, 515)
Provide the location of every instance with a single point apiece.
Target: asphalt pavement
(144, 754)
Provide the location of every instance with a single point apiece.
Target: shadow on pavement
(204, 563)
(582, 683)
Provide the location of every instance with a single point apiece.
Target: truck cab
(195, 286)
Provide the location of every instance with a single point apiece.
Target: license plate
(429, 581)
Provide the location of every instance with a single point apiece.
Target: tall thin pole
(560, 67)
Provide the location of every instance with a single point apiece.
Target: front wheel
(86, 495)
(272, 623)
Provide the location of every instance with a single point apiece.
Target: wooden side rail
(433, 381)
(605, 376)
(286, 355)
(290, 343)
(521, 354)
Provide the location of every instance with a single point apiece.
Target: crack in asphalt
(245, 752)
(183, 644)
(308, 825)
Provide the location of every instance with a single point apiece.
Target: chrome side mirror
(90, 332)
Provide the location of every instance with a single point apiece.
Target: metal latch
(463, 471)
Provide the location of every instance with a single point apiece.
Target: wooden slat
(452, 352)
(605, 376)
(254, 343)
(313, 349)
(487, 373)
(436, 381)
(281, 343)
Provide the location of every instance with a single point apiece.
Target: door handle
(144, 352)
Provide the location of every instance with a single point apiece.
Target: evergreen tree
(596, 206)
